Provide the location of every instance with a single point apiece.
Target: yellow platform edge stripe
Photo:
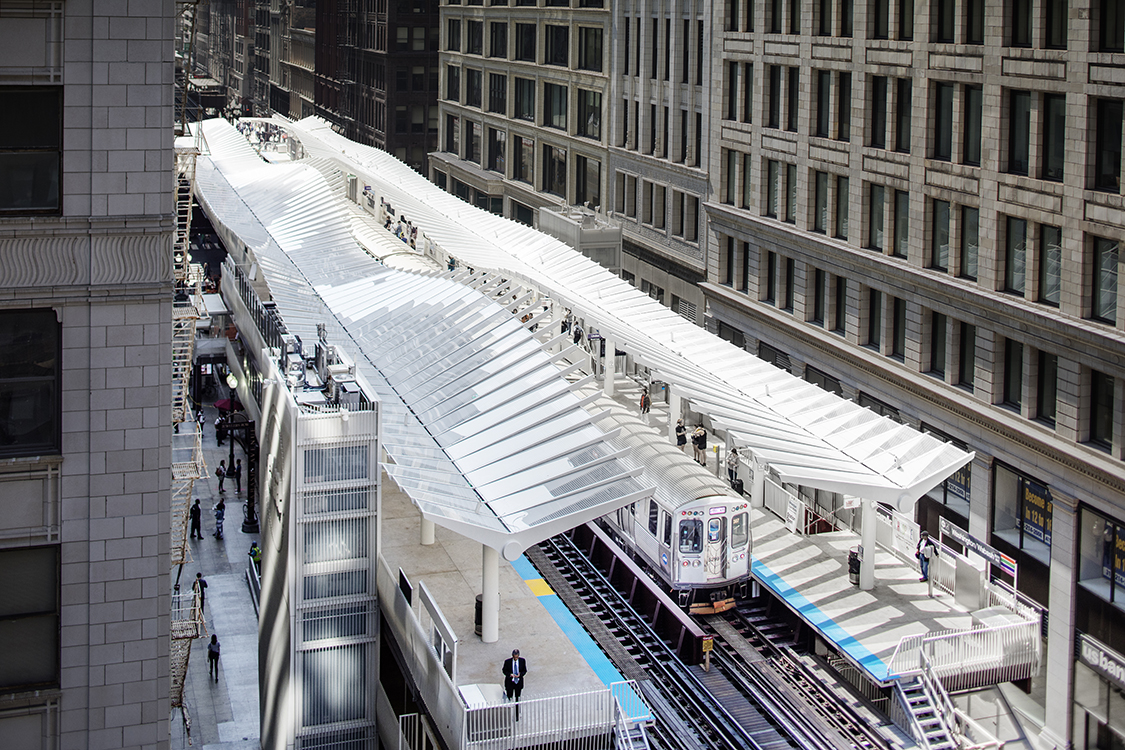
(539, 587)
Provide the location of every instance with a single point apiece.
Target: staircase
(929, 724)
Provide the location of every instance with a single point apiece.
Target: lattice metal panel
(187, 466)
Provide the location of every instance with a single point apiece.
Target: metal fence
(975, 657)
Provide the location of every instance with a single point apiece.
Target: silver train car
(693, 533)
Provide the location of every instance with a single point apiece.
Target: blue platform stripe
(586, 647)
(822, 622)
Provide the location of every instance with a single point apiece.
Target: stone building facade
(86, 225)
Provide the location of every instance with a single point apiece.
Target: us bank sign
(1101, 659)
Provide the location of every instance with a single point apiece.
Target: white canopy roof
(807, 435)
(486, 435)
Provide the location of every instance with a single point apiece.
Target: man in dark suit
(514, 671)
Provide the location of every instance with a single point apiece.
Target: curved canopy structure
(486, 435)
(805, 434)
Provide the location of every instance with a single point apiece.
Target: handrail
(956, 649)
(963, 724)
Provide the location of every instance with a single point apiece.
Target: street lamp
(232, 382)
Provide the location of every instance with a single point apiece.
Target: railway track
(687, 715)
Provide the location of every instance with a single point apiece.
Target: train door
(715, 549)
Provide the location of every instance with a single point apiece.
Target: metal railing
(777, 498)
(978, 656)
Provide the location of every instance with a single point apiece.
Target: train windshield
(739, 530)
(691, 535)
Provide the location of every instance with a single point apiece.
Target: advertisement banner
(1037, 511)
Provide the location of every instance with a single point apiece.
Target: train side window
(667, 530)
(715, 530)
(739, 530)
(691, 535)
(653, 515)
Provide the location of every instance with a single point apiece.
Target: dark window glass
(906, 19)
(588, 176)
(825, 13)
(1056, 24)
(880, 19)
(29, 617)
(823, 102)
(453, 83)
(557, 49)
(937, 343)
(475, 43)
(1050, 264)
(819, 292)
(1048, 379)
(1019, 133)
(1054, 131)
(498, 93)
(554, 105)
(1021, 22)
(902, 223)
(497, 146)
(875, 218)
(842, 200)
(846, 17)
(589, 114)
(774, 120)
(1112, 25)
(1013, 373)
(1105, 258)
(840, 318)
(974, 21)
(898, 329)
(790, 193)
(525, 42)
(1015, 256)
(473, 87)
(939, 236)
(973, 100)
(1101, 409)
(820, 203)
(874, 318)
(29, 382)
(945, 11)
(844, 109)
(773, 187)
(1107, 156)
(590, 49)
(453, 35)
(878, 132)
(943, 121)
(525, 99)
(30, 150)
(554, 161)
(498, 39)
(970, 242)
(967, 355)
(771, 277)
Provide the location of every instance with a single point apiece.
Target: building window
(473, 85)
(497, 143)
(1104, 289)
(770, 294)
(880, 19)
(902, 223)
(939, 235)
(29, 617)
(590, 49)
(30, 382)
(823, 380)
(1022, 512)
(498, 93)
(898, 328)
(944, 10)
(842, 199)
(943, 118)
(1107, 154)
(1054, 130)
(875, 217)
(819, 296)
(774, 118)
(588, 184)
(498, 39)
(840, 311)
(472, 142)
(882, 408)
(790, 193)
(1112, 25)
(823, 102)
(1101, 409)
(967, 355)
(820, 203)
(453, 35)
(1047, 381)
(773, 187)
(525, 42)
(554, 106)
(874, 318)
(1019, 131)
(1050, 264)
(787, 282)
(589, 114)
(1101, 556)
(1015, 256)
(974, 98)
(793, 110)
(1020, 22)
(525, 99)
(844, 108)
(557, 50)
(970, 242)
(1057, 13)
(475, 43)
(453, 134)
(902, 115)
(937, 344)
(453, 83)
(523, 149)
(1013, 374)
(554, 162)
(877, 135)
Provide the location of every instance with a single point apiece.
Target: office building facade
(86, 228)
(918, 205)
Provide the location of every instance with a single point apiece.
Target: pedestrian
(221, 473)
(236, 472)
(925, 552)
(681, 434)
(199, 418)
(514, 671)
(219, 430)
(213, 658)
(646, 402)
(255, 554)
(732, 463)
(699, 444)
(196, 526)
(220, 514)
(199, 586)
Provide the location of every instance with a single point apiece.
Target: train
(693, 532)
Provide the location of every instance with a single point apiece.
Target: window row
(659, 206)
(660, 131)
(1026, 380)
(554, 99)
(663, 49)
(532, 3)
(1025, 23)
(522, 44)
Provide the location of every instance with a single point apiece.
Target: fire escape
(187, 621)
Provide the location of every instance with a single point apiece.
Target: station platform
(561, 657)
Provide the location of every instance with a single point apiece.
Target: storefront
(1099, 696)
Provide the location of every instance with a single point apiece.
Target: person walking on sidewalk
(199, 586)
(236, 472)
(221, 473)
(196, 524)
(213, 657)
(220, 514)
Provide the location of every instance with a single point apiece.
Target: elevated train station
(495, 438)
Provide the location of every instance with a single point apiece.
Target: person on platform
(196, 523)
(646, 402)
(732, 463)
(925, 553)
(515, 669)
(699, 444)
(681, 434)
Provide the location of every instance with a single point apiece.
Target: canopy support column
(610, 362)
(490, 600)
(674, 411)
(427, 531)
(867, 536)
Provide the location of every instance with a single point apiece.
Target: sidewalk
(223, 714)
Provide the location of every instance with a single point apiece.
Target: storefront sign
(970, 542)
(1102, 659)
(1037, 511)
(959, 484)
